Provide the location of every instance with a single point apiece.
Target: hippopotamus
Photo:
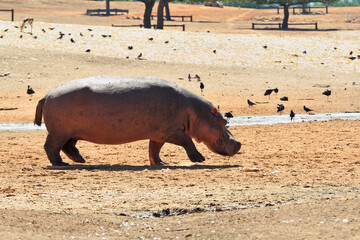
(117, 110)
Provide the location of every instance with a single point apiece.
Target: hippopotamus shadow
(120, 168)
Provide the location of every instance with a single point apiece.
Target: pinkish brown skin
(116, 110)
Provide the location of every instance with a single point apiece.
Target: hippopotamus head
(212, 132)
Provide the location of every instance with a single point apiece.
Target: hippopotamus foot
(52, 147)
(182, 139)
(154, 150)
(72, 152)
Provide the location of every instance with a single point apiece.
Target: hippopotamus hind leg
(154, 150)
(180, 138)
(52, 147)
(72, 152)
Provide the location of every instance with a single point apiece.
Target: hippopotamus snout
(227, 145)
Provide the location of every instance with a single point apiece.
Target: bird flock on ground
(228, 115)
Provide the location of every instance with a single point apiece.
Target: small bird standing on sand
(284, 98)
(43, 30)
(351, 53)
(72, 40)
(130, 47)
(197, 77)
(202, 86)
(327, 93)
(268, 92)
(228, 115)
(189, 77)
(61, 35)
(87, 50)
(250, 103)
(292, 115)
(150, 39)
(140, 55)
(265, 46)
(304, 52)
(280, 108)
(81, 35)
(30, 90)
(307, 109)
(276, 90)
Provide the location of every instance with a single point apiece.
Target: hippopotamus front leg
(180, 138)
(154, 150)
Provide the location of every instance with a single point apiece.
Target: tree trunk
(160, 15)
(147, 14)
(107, 7)
(286, 17)
(304, 11)
(167, 9)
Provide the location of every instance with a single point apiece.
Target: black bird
(104, 36)
(43, 30)
(228, 115)
(280, 107)
(61, 35)
(197, 77)
(292, 115)
(304, 52)
(30, 90)
(20, 36)
(130, 47)
(72, 40)
(351, 53)
(268, 92)
(189, 77)
(150, 39)
(327, 93)
(250, 103)
(5, 30)
(35, 37)
(352, 58)
(307, 109)
(81, 35)
(276, 90)
(284, 98)
(89, 29)
(265, 46)
(166, 41)
(52, 28)
(335, 48)
(87, 50)
(140, 55)
(214, 51)
(202, 86)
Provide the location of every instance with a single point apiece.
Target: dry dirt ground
(310, 189)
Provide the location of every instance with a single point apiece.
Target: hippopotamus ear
(215, 112)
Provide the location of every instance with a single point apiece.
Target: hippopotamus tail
(38, 113)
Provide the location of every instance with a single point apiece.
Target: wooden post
(183, 27)
(12, 15)
(316, 28)
(327, 10)
(253, 25)
(293, 10)
(278, 11)
(191, 18)
(279, 25)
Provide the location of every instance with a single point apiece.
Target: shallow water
(277, 119)
(236, 121)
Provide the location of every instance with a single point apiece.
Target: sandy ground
(310, 189)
